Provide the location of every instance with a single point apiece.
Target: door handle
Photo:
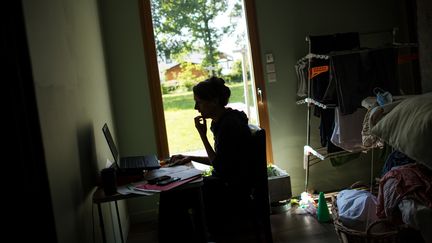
(260, 95)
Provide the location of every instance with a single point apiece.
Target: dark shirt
(232, 146)
(223, 193)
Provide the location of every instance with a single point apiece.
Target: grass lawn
(179, 119)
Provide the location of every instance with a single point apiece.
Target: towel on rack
(324, 44)
(385, 68)
(354, 75)
(347, 131)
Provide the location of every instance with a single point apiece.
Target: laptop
(130, 164)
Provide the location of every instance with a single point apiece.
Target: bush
(189, 84)
(169, 86)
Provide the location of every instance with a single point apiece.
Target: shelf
(314, 102)
(320, 155)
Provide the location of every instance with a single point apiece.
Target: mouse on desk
(158, 179)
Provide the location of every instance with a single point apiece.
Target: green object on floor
(323, 214)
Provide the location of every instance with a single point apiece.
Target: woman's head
(210, 96)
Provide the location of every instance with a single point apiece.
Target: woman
(230, 129)
(230, 184)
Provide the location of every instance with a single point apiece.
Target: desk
(99, 197)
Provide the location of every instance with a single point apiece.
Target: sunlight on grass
(180, 101)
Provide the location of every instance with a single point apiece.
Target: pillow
(408, 128)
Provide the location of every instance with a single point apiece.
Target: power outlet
(269, 58)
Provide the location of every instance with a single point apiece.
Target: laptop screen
(111, 143)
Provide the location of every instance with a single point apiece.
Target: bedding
(408, 128)
(374, 114)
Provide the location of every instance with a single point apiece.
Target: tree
(183, 26)
(236, 72)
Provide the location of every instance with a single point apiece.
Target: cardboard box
(279, 188)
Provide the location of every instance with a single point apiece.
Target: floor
(293, 225)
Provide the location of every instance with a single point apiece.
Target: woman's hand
(179, 159)
(201, 125)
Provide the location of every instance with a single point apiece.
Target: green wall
(129, 89)
(283, 26)
(128, 76)
(73, 99)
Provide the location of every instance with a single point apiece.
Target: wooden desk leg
(119, 222)
(101, 223)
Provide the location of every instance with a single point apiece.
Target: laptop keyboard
(135, 162)
(140, 162)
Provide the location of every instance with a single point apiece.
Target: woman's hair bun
(213, 88)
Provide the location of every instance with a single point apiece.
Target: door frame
(154, 80)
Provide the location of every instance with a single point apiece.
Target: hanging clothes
(301, 71)
(384, 62)
(324, 44)
(353, 76)
(347, 130)
(301, 68)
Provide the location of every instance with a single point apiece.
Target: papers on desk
(186, 173)
(182, 171)
(152, 188)
(128, 189)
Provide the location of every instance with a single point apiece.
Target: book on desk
(161, 188)
(185, 173)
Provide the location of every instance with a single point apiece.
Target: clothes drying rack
(312, 156)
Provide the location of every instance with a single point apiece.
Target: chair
(249, 220)
(260, 194)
